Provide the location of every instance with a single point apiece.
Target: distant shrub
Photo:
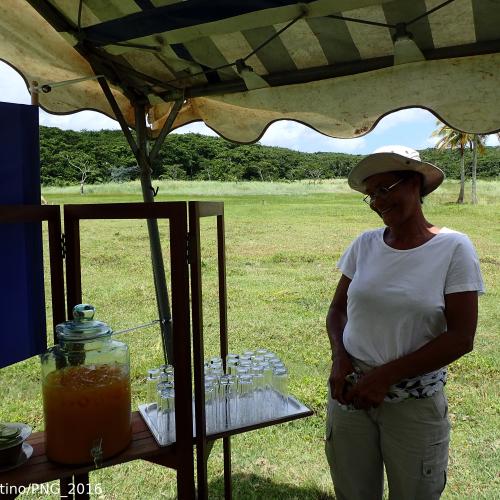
(124, 174)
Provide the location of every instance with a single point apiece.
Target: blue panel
(174, 16)
(22, 305)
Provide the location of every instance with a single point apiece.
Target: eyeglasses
(381, 192)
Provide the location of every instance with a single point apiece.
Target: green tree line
(104, 156)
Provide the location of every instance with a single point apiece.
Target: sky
(410, 127)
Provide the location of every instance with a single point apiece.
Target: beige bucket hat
(390, 159)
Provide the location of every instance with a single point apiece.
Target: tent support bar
(167, 127)
(161, 289)
(119, 116)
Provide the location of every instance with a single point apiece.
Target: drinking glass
(216, 371)
(267, 370)
(167, 368)
(166, 376)
(246, 400)
(213, 380)
(210, 404)
(277, 364)
(257, 358)
(164, 384)
(166, 413)
(228, 401)
(231, 365)
(259, 388)
(245, 362)
(267, 391)
(152, 380)
(216, 361)
(280, 385)
(242, 370)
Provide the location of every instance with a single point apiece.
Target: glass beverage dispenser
(86, 391)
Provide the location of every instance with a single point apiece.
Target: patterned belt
(422, 386)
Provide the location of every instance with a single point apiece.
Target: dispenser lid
(83, 326)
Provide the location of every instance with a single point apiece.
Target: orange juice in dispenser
(86, 391)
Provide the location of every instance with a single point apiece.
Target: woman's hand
(341, 367)
(370, 390)
(336, 320)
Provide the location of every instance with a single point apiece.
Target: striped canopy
(337, 66)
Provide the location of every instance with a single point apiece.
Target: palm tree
(478, 143)
(454, 139)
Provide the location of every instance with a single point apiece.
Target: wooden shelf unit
(187, 323)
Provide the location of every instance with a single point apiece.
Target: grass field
(283, 240)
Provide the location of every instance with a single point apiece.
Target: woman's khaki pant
(410, 438)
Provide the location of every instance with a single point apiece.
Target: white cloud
(410, 115)
(430, 142)
(296, 136)
(12, 86)
(283, 133)
(291, 135)
(492, 140)
(83, 120)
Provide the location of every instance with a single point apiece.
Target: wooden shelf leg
(65, 487)
(228, 486)
(81, 484)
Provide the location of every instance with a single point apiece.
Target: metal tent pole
(143, 160)
(34, 93)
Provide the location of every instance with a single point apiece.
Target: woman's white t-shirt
(395, 302)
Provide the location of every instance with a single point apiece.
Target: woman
(404, 308)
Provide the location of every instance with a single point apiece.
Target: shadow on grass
(253, 487)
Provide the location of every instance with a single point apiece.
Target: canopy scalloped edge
(461, 92)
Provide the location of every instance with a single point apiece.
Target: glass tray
(295, 409)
